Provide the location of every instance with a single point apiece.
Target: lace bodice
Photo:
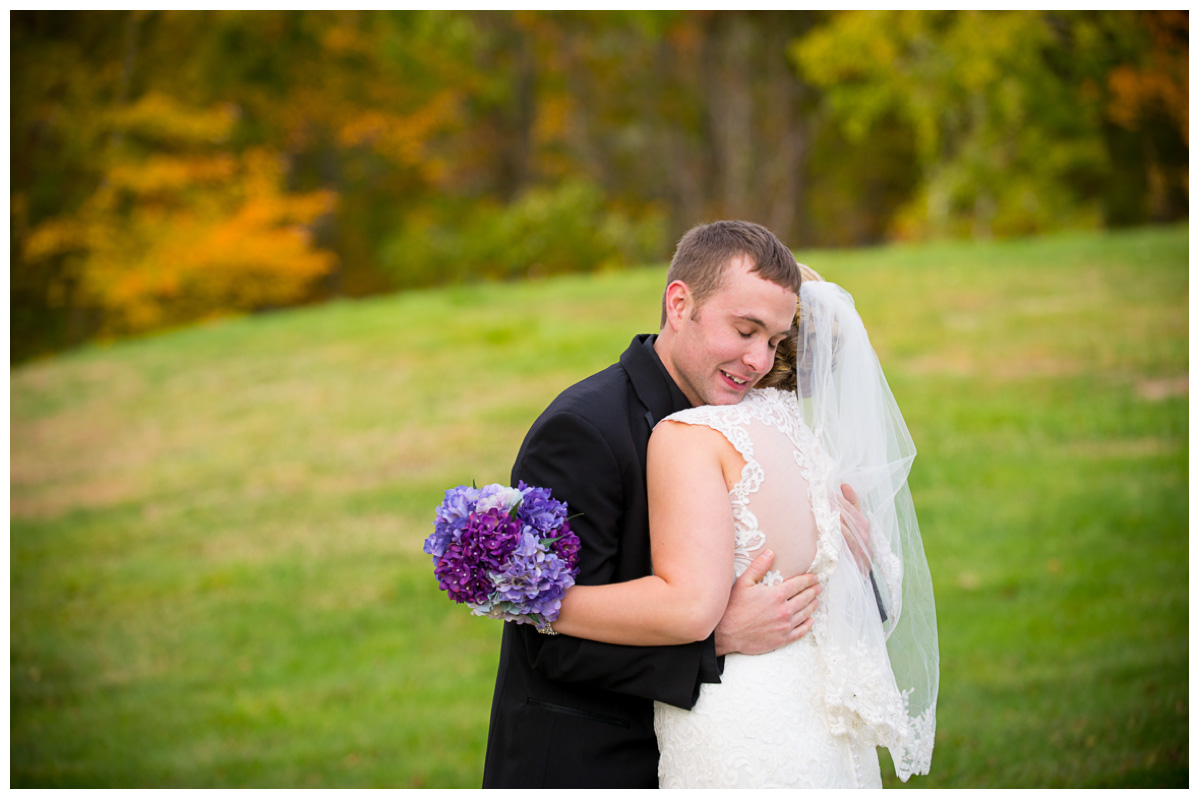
(776, 489)
(782, 500)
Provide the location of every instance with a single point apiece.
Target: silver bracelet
(545, 627)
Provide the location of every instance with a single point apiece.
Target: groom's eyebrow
(749, 317)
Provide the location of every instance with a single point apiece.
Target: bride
(727, 483)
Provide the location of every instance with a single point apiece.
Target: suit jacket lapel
(651, 382)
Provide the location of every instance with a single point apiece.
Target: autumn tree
(205, 161)
(1008, 110)
(169, 166)
(1147, 111)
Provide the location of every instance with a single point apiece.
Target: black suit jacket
(573, 713)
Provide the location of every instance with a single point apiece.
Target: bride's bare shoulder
(689, 445)
(684, 434)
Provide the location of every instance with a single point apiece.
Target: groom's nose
(759, 357)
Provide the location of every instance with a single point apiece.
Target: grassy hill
(215, 545)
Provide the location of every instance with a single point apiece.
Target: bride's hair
(783, 372)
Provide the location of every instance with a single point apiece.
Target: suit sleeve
(568, 455)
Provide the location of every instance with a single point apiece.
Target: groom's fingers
(796, 584)
(852, 515)
(802, 604)
(758, 567)
(801, 630)
(805, 603)
(806, 611)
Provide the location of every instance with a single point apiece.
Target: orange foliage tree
(183, 230)
(169, 166)
(180, 165)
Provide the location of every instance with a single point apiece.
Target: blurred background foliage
(171, 166)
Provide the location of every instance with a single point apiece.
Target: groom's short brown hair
(703, 253)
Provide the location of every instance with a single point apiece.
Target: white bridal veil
(883, 679)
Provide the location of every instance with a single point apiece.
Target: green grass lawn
(216, 572)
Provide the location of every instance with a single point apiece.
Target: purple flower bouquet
(507, 553)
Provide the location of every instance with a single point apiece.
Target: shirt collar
(651, 381)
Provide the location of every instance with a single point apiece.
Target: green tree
(168, 166)
(1007, 110)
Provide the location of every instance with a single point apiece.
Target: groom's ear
(678, 304)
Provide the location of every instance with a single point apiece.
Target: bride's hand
(762, 618)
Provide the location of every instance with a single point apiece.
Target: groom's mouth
(739, 383)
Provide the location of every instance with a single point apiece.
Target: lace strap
(730, 422)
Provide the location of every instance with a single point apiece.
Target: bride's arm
(691, 538)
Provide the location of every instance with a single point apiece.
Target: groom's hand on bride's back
(762, 618)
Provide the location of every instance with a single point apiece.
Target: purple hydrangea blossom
(495, 496)
(567, 546)
(487, 539)
(451, 516)
(507, 553)
(539, 510)
(533, 580)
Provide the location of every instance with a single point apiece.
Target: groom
(573, 713)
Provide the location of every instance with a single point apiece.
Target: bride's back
(767, 477)
(780, 505)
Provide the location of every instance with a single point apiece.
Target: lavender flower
(567, 545)
(506, 553)
(464, 569)
(496, 496)
(532, 579)
(451, 516)
(539, 510)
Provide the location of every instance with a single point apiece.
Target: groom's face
(722, 347)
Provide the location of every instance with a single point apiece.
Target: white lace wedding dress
(809, 715)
